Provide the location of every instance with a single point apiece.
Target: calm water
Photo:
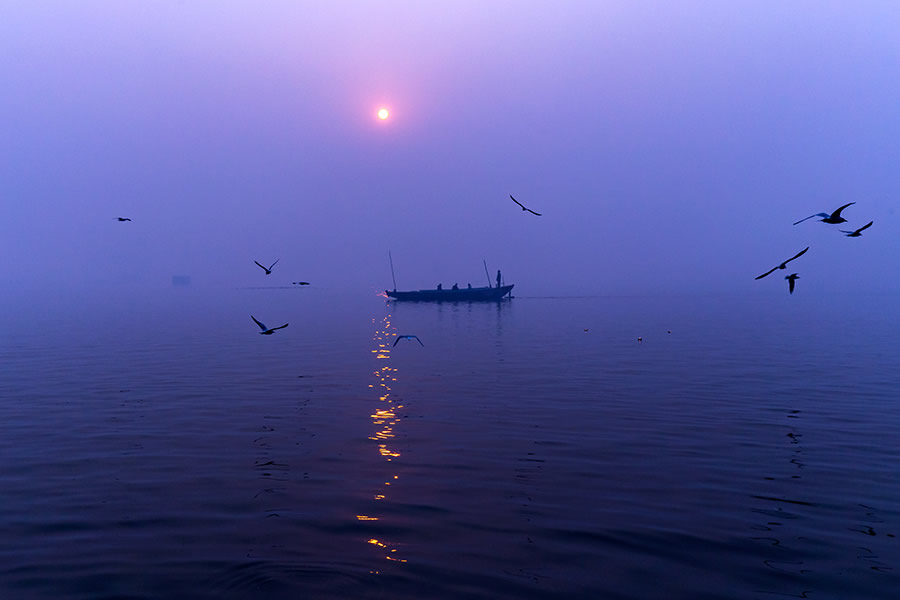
(159, 447)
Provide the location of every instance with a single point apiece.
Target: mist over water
(531, 448)
(644, 419)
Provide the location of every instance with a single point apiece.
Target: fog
(668, 146)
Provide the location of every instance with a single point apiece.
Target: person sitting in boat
(455, 286)
(498, 277)
(470, 286)
(440, 287)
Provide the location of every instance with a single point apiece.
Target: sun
(383, 113)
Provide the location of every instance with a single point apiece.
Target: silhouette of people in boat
(440, 287)
(455, 287)
(470, 286)
(498, 277)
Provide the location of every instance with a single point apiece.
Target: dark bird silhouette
(269, 269)
(791, 279)
(266, 330)
(120, 219)
(858, 232)
(523, 206)
(833, 218)
(300, 283)
(784, 264)
(407, 337)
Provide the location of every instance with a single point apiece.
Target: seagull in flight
(784, 264)
(269, 269)
(791, 279)
(266, 330)
(120, 219)
(833, 218)
(407, 337)
(858, 232)
(523, 206)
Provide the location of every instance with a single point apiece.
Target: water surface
(157, 446)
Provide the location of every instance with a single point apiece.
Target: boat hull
(481, 294)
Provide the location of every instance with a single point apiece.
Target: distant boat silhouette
(475, 294)
(784, 264)
(407, 337)
(523, 206)
(791, 279)
(266, 330)
(858, 232)
(268, 269)
(833, 218)
(300, 282)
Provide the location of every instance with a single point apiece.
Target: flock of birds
(270, 330)
(833, 218)
(264, 329)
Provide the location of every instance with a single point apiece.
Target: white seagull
(858, 232)
(784, 264)
(833, 218)
(523, 206)
(269, 269)
(407, 337)
(266, 330)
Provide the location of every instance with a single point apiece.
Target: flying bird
(266, 330)
(784, 264)
(858, 232)
(791, 279)
(407, 337)
(833, 218)
(269, 269)
(120, 219)
(523, 206)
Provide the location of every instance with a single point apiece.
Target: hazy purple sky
(670, 145)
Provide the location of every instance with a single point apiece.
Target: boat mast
(488, 275)
(391, 258)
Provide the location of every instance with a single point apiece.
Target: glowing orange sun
(383, 113)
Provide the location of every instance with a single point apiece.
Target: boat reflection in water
(385, 419)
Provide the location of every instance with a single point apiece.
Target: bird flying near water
(407, 337)
(120, 219)
(858, 232)
(523, 206)
(784, 264)
(268, 269)
(791, 279)
(833, 218)
(266, 330)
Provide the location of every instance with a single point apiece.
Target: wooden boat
(475, 294)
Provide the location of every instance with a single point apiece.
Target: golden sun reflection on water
(385, 419)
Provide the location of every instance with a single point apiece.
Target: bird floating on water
(407, 337)
(784, 264)
(266, 330)
(791, 279)
(858, 232)
(833, 218)
(120, 219)
(268, 269)
(523, 206)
